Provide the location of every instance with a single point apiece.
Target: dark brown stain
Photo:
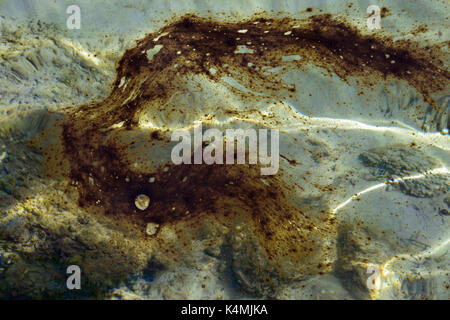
(385, 12)
(99, 162)
(420, 29)
(321, 40)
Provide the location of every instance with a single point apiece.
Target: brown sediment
(385, 12)
(420, 29)
(97, 159)
(195, 45)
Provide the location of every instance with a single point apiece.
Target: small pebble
(142, 202)
(151, 228)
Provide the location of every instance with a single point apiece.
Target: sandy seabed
(85, 127)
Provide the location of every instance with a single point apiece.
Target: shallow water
(357, 207)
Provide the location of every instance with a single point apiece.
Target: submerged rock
(427, 187)
(398, 163)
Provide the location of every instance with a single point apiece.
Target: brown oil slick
(97, 157)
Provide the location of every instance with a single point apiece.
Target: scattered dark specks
(385, 12)
(95, 151)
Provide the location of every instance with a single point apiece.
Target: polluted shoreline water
(128, 213)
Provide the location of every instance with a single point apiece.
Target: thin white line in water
(442, 170)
